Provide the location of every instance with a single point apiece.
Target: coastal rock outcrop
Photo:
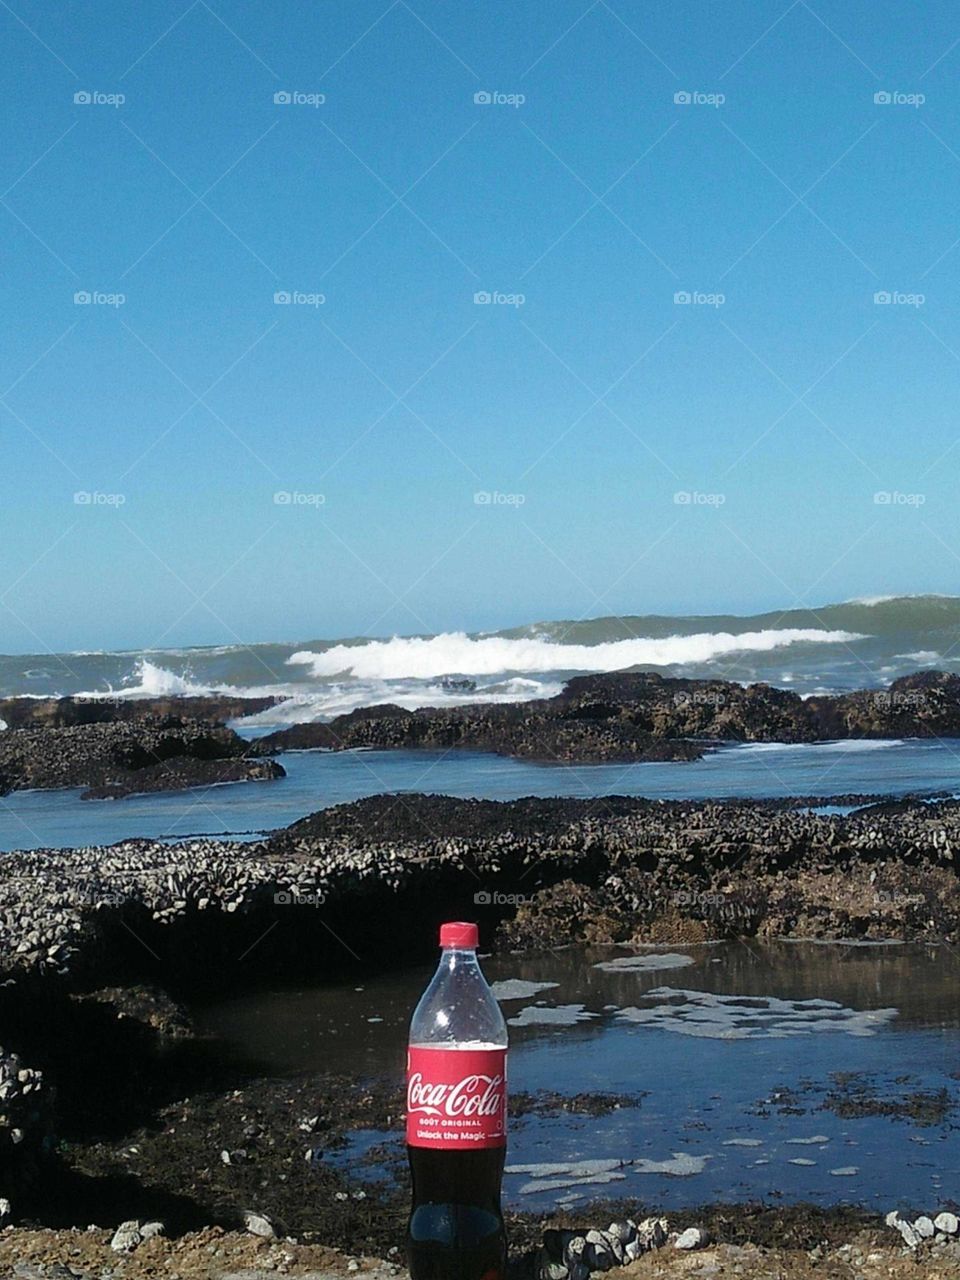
(638, 716)
(548, 871)
(113, 708)
(123, 757)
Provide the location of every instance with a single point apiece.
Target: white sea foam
(840, 745)
(577, 1173)
(870, 601)
(339, 698)
(646, 963)
(152, 681)
(518, 988)
(560, 1184)
(302, 702)
(420, 658)
(559, 1015)
(731, 1017)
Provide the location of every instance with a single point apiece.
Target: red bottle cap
(463, 936)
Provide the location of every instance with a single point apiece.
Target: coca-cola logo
(473, 1095)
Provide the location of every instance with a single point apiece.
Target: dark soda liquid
(456, 1228)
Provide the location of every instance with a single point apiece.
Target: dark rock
(179, 774)
(160, 753)
(59, 713)
(632, 716)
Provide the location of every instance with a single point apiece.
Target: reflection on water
(757, 1103)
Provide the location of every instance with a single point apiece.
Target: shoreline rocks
(622, 717)
(60, 713)
(113, 759)
(216, 1254)
(180, 773)
(639, 716)
(605, 870)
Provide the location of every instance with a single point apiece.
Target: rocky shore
(600, 870)
(63, 713)
(642, 717)
(117, 747)
(215, 1254)
(114, 758)
(590, 870)
(111, 1112)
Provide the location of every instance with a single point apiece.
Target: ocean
(865, 643)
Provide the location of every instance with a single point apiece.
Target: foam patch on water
(566, 1168)
(731, 1017)
(559, 1015)
(841, 745)
(645, 964)
(847, 942)
(801, 1161)
(680, 1165)
(561, 1175)
(519, 988)
(817, 1140)
(848, 1171)
(743, 1142)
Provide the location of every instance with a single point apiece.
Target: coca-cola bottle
(457, 1120)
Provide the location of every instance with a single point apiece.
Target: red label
(456, 1097)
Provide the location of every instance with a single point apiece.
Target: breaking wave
(418, 658)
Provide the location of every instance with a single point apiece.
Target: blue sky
(584, 198)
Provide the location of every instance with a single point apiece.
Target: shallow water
(316, 779)
(728, 1054)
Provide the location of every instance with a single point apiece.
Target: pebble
(126, 1237)
(598, 1254)
(692, 1238)
(948, 1222)
(910, 1237)
(624, 1231)
(259, 1225)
